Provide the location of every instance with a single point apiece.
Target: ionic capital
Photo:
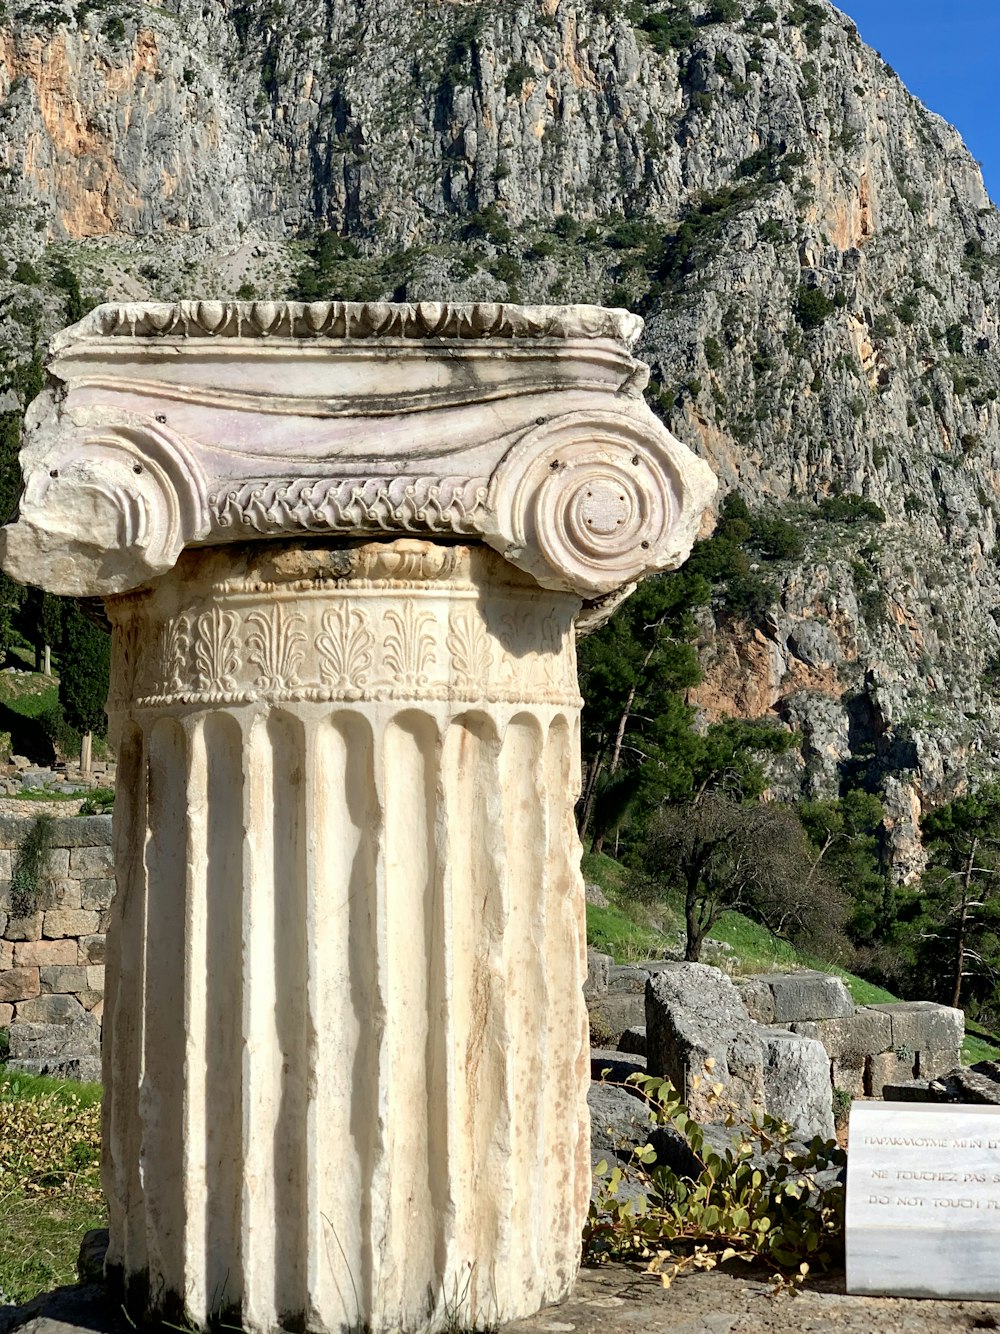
(202, 423)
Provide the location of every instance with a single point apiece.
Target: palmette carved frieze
(407, 622)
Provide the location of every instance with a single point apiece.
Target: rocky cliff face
(814, 252)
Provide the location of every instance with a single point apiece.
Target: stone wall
(52, 961)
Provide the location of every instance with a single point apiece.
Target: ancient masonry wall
(52, 961)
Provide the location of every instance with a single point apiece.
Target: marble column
(344, 551)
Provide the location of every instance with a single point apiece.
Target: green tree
(845, 837)
(84, 660)
(957, 922)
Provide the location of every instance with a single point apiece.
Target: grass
(30, 696)
(49, 1180)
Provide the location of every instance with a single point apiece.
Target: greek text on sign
(923, 1200)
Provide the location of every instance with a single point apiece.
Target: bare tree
(753, 857)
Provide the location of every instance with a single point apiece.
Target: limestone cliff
(814, 252)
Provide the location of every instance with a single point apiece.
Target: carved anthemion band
(405, 624)
(357, 320)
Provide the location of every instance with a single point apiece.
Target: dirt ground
(618, 1300)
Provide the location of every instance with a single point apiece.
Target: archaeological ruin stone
(344, 549)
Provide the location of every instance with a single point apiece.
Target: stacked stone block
(869, 1046)
(52, 961)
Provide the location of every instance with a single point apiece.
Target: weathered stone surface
(597, 974)
(45, 953)
(619, 1122)
(891, 1067)
(851, 1078)
(19, 984)
(65, 922)
(850, 1039)
(797, 1086)
(979, 1083)
(634, 1040)
(610, 1016)
(49, 1010)
(97, 893)
(60, 894)
(614, 1067)
(6, 1015)
(84, 1068)
(694, 1014)
(933, 1064)
(923, 1026)
(91, 949)
(595, 895)
(756, 996)
(64, 978)
(34, 1041)
(91, 861)
(807, 995)
(25, 928)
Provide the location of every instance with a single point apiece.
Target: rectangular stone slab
(923, 1201)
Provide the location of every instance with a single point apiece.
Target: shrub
(516, 77)
(30, 858)
(850, 508)
(812, 306)
(757, 1201)
(713, 352)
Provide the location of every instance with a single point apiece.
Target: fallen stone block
(619, 1122)
(849, 1077)
(890, 1067)
(597, 974)
(614, 1067)
(979, 1083)
(634, 1040)
(797, 1086)
(932, 1064)
(756, 996)
(694, 1014)
(610, 1016)
(916, 1090)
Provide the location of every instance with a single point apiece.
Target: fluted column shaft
(345, 1039)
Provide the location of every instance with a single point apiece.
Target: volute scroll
(592, 501)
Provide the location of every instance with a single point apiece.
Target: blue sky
(947, 53)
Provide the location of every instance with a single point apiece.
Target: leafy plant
(30, 858)
(98, 801)
(731, 1206)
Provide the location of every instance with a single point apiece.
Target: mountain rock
(814, 252)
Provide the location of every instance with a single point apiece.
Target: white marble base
(923, 1201)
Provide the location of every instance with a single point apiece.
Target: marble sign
(923, 1200)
